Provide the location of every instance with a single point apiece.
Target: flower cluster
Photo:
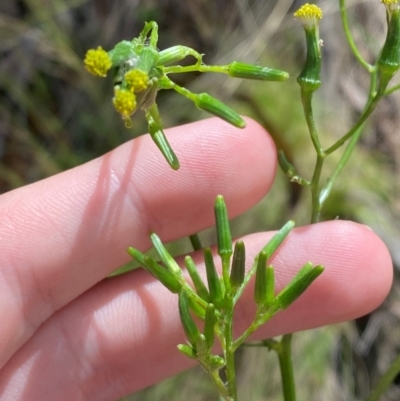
(97, 62)
(309, 15)
(391, 5)
(137, 80)
(124, 102)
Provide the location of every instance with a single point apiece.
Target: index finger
(60, 236)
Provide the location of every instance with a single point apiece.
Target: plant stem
(195, 241)
(286, 367)
(315, 198)
(385, 381)
(306, 98)
(349, 37)
(230, 351)
(177, 69)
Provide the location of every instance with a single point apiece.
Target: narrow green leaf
(200, 287)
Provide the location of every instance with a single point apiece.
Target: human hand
(67, 333)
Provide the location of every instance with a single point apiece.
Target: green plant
(140, 71)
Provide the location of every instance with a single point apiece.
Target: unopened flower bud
(249, 71)
(208, 103)
(309, 78)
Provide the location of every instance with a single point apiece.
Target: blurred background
(54, 116)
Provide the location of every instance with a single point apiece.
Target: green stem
(257, 323)
(306, 99)
(392, 89)
(230, 350)
(177, 69)
(195, 241)
(326, 190)
(373, 101)
(315, 199)
(349, 37)
(385, 381)
(220, 385)
(286, 367)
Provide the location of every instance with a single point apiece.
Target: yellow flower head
(97, 62)
(124, 102)
(137, 80)
(309, 15)
(391, 5)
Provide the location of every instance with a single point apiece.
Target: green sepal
(270, 291)
(389, 59)
(301, 281)
(122, 52)
(208, 103)
(209, 323)
(187, 350)
(310, 77)
(165, 256)
(238, 265)
(200, 287)
(260, 285)
(189, 326)
(249, 71)
(224, 238)
(160, 273)
(214, 284)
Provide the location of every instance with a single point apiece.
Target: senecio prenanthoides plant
(139, 72)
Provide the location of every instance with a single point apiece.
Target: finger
(122, 335)
(60, 236)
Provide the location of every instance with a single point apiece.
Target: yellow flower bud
(97, 62)
(124, 102)
(137, 80)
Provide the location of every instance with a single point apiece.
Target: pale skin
(67, 333)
